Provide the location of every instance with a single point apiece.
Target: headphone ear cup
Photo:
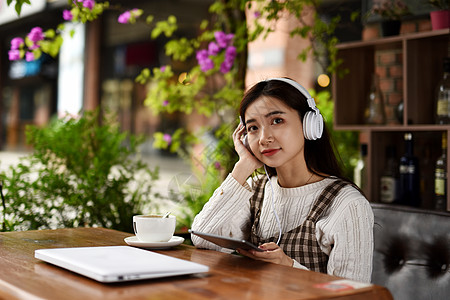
(312, 125)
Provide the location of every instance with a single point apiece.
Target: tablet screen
(226, 242)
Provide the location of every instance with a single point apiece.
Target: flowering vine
(130, 16)
(49, 41)
(223, 43)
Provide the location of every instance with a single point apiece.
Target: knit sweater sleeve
(226, 213)
(346, 235)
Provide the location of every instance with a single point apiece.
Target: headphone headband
(301, 89)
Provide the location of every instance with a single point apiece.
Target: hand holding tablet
(226, 242)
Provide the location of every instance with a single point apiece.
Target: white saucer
(134, 241)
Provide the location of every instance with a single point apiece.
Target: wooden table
(230, 276)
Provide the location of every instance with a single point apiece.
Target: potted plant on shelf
(391, 13)
(440, 18)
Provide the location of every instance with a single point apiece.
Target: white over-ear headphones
(313, 120)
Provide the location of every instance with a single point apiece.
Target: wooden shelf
(421, 55)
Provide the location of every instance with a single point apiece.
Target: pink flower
(36, 35)
(163, 69)
(89, 4)
(124, 17)
(29, 56)
(217, 165)
(130, 16)
(16, 43)
(230, 52)
(213, 48)
(204, 61)
(165, 103)
(206, 64)
(223, 39)
(256, 14)
(67, 15)
(202, 55)
(230, 55)
(167, 138)
(226, 66)
(14, 55)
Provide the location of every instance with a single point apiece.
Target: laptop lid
(118, 263)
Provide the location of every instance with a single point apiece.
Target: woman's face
(275, 132)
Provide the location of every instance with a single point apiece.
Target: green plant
(80, 173)
(440, 4)
(390, 9)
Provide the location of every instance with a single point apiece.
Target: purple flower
(36, 35)
(16, 43)
(163, 69)
(129, 16)
(124, 17)
(167, 138)
(223, 39)
(257, 14)
(206, 64)
(14, 54)
(230, 55)
(202, 55)
(217, 165)
(204, 61)
(213, 48)
(165, 102)
(67, 15)
(230, 52)
(226, 66)
(29, 56)
(89, 4)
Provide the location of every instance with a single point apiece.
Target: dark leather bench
(411, 252)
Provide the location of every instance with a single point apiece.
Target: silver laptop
(118, 263)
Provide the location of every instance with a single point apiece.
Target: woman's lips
(270, 152)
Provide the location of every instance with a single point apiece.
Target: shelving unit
(421, 57)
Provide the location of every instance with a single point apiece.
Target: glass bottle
(389, 178)
(359, 173)
(409, 175)
(374, 113)
(440, 177)
(443, 95)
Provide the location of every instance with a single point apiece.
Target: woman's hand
(272, 253)
(247, 161)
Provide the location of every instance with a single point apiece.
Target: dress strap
(325, 198)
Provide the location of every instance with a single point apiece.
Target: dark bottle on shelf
(389, 179)
(409, 192)
(440, 177)
(443, 95)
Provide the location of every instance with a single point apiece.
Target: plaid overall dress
(299, 243)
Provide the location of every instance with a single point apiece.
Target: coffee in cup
(154, 228)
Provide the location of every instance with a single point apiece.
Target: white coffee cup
(154, 228)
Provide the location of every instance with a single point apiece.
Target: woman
(307, 215)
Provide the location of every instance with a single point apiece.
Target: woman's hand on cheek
(239, 147)
(247, 161)
(272, 253)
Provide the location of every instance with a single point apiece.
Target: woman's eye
(277, 121)
(251, 128)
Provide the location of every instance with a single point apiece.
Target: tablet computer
(226, 242)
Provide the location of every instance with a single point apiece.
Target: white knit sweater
(344, 232)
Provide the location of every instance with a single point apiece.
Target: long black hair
(320, 155)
